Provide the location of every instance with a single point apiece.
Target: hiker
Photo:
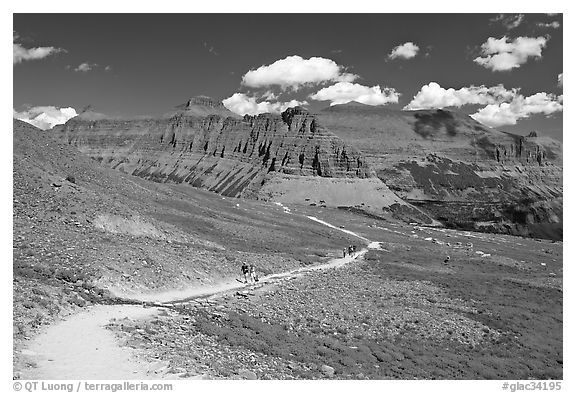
(446, 260)
(354, 248)
(344, 252)
(350, 250)
(253, 275)
(245, 272)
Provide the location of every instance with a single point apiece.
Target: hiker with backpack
(245, 272)
(253, 274)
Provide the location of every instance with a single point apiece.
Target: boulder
(327, 370)
(247, 374)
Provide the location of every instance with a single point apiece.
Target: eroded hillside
(84, 233)
(460, 172)
(289, 158)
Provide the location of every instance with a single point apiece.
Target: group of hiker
(350, 250)
(249, 272)
(250, 276)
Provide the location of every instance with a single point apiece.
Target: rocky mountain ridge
(431, 163)
(457, 170)
(226, 155)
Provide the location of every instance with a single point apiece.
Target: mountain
(458, 171)
(290, 157)
(84, 233)
(423, 166)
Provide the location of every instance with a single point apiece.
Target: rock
(176, 370)
(327, 370)
(291, 143)
(27, 352)
(247, 374)
(203, 376)
(77, 300)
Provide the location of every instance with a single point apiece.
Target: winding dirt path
(80, 347)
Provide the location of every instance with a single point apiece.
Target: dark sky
(157, 61)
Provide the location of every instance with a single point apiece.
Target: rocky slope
(205, 145)
(431, 164)
(457, 170)
(82, 230)
(221, 153)
(84, 234)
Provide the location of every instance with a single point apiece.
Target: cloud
(501, 106)
(269, 95)
(434, 96)
(502, 55)
(242, 104)
(510, 21)
(343, 92)
(508, 113)
(561, 80)
(108, 68)
(294, 72)
(553, 25)
(23, 54)
(85, 67)
(407, 50)
(45, 117)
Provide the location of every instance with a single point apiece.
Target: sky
(505, 70)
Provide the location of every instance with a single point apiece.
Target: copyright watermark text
(532, 385)
(83, 386)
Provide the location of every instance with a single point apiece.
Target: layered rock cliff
(205, 145)
(444, 163)
(460, 172)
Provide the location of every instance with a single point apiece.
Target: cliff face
(444, 163)
(205, 145)
(457, 170)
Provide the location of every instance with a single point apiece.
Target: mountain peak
(204, 101)
(203, 106)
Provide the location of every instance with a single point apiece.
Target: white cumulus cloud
(343, 92)
(503, 55)
(552, 25)
(501, 106)
(435, 96)
(22, 54)
(407, 50)
(45, 117)
(510, 21)
(85, 67)
(508, 113)
(243, 104)
(295, 71)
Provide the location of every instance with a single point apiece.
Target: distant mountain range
(430, 166)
